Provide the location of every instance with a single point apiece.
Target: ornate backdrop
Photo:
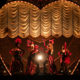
(20, 18)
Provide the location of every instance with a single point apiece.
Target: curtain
(56, 19)
(76, 22)
(20, 18)
(67, 19)
(34, 22)
(46, 22)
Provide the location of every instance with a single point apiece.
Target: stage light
(40, 57)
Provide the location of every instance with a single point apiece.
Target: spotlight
(40, 57)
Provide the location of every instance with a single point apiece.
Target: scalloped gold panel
(23, 19)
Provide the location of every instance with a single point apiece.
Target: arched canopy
(20, 18)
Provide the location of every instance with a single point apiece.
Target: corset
(64, 56)
(17, 55)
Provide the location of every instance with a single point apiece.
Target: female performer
(64, 58)
(50, 50)
(31, 66)
(17, 53)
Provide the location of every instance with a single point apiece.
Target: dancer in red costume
(31, 65)
(50, 51)
(17, 53)
(64, 58)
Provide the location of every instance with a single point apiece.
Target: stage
(40, 38)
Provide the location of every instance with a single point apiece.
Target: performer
(31, 65)
(64, 58)
(17, 53)
(50, 50)
(36, 51)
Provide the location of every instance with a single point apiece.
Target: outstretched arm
(28, 43)
(45, 44)
(11, 51)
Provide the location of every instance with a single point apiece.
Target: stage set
(40, 37)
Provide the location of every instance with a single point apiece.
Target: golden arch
(20, 18)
